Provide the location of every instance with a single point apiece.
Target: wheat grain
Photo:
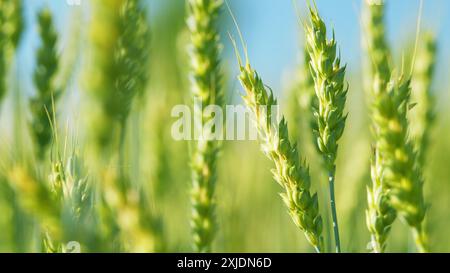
(206, 89)
(331, 94)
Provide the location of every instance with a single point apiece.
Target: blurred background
(250, 213)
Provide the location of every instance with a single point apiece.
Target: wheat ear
(120, 43)
(375, 40)
(11, 29)
(401, 174)
(13, 21)
(423, 115)
(291, 173)
(302, 97)
(36, 197)
(2, 60)
(206, 89)
(120, 36)
(44, 75)
(379, 217)
(331, 92)
(379, 214)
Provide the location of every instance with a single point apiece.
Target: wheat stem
(331, 179)
(420, 239)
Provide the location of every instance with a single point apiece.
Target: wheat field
(353, 158)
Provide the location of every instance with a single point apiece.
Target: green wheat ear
(42, 104)
(379, 217)
(120, 37)
(290, 172)
(375, 40)
(132, 56)
(2, 63)
(206, 88)
(120, 47)
(423, 115)
(402, 176)
(11, 29)
(398, 180)
(331, 93)
(302, 100)
(14, 23)
(102, 74)
(36, 198)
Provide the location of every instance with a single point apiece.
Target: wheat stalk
(331, 94)
(46, 69)
(206, 89)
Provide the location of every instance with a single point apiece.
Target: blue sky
(271, 30)
(273, 40)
